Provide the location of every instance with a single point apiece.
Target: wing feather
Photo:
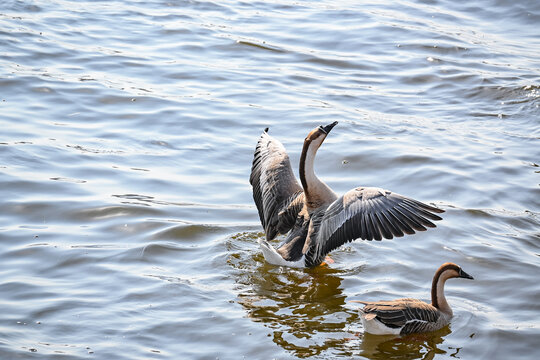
(408, 216)
(370, 214)
(391, 223)
(276, 191)
(384, 225)
(289, 214)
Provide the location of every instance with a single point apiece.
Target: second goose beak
(463, 274)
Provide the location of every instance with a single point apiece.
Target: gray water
(127, 225)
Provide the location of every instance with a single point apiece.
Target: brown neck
(316, 192)
(302, 167)
(434, 286)
(438, 299)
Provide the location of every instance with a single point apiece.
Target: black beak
(463, 274)
(326, 129)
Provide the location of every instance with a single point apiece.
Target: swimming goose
(406, 316)
(316, 219)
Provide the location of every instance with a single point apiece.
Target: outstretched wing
(370, 214)
(276, 191)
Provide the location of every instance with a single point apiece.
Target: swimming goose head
(450, 270)
(446, 271)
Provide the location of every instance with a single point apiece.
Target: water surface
(127, 225)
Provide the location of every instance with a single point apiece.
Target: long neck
(437, 292)
(317, 193)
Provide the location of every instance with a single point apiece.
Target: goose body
(315, 219)
(406, 316)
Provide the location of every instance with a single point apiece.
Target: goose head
(446, 271)
(316, 136)
(450, 270)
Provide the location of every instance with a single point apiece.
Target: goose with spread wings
(315, 219)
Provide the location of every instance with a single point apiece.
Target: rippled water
(127, 226)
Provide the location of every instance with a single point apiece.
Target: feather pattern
(408, 315)
(287, 217)
(275, 187)
(370, 214)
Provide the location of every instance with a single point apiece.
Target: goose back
(405, 315)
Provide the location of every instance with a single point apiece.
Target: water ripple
(127, 137)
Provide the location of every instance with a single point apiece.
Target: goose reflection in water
(415, 346)
(304, 310)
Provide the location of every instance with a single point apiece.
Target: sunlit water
(127, 225)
